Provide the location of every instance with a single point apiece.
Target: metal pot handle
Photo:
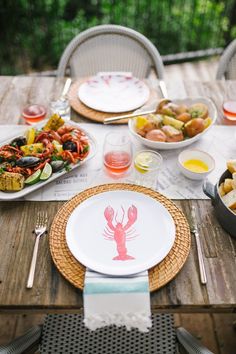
(209, 189)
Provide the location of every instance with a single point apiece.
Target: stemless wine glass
(147, 166)
(117, 153)
(229, 102)
(61, 107)
(34, 113)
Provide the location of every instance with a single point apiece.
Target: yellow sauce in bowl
(195, 165)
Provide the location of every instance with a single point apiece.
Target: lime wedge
(34, 178)
(46, 173)
(143, 161)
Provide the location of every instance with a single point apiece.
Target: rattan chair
(63, 334)
(227, 64)
(110, 48)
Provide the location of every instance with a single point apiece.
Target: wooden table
(51, 292)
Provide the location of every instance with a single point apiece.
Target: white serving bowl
(158, 145)
(196, 155)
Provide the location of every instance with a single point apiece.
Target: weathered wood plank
(226, 333)
(15, 99)
(202, 70)
(202, 327)
(13, 326)
(8, 327)
(49, 289)
(218, 292)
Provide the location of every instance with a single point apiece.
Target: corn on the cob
(11, 181)
(54, 122)
(32, 149)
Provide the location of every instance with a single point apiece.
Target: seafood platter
(176, 124)
(41, 155)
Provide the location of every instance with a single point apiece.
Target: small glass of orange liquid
(117, 153)
(34, 113)
(229, 109)
(229, 102)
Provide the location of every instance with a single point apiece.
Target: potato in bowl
(176, 124)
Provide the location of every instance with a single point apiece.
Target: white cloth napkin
(120, 301)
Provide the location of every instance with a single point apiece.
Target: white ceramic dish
(115, 248)
(177, 145)
(196, 155)
(28, 189)
(113, 93)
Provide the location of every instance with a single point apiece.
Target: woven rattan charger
(159, 275)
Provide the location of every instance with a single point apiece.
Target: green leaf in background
(37, 32)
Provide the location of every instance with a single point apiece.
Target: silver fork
(40, 228)
(195, 232)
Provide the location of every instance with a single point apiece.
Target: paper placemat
(220, 142)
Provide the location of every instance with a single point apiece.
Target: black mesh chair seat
(67, 334)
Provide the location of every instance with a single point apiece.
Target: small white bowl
(196, 155)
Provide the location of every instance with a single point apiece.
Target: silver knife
(194, 231)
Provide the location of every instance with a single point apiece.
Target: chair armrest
(22, 343)
(189, 343)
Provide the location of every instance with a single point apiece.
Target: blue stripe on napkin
(111, 288)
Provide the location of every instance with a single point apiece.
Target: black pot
(225, 216)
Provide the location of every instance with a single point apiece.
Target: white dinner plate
(114, 93)
(120, 232)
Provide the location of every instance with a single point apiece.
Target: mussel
(19, 141)
(28, 161)
(57, 165)
(69, 145)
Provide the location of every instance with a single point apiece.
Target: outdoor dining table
(51, 292)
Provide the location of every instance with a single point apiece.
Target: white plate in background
(113, 93)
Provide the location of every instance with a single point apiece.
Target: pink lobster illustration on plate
(120, 233)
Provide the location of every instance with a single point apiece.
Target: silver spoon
(65, 89)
